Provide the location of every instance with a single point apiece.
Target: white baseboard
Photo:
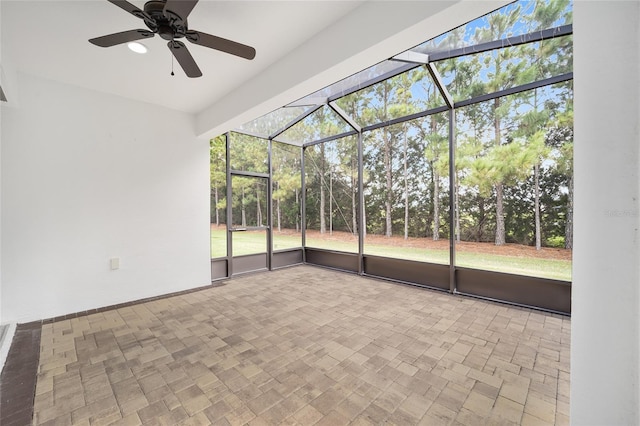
(5, 345)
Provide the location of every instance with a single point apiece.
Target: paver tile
(304, 346)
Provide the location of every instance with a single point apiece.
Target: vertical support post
(303, 207)
(229, 209)
(361, 224)
(331, 200)
(452, 201)
(269, 206)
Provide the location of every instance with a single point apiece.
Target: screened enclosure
(447, 166)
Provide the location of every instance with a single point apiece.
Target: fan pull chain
(172, 41)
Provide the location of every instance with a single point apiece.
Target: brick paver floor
(306, 345)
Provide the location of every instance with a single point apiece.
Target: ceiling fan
(168, 19)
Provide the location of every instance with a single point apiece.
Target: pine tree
(218, 175)
(501, 73)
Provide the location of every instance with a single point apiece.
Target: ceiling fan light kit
(168, 19)
(136, 47)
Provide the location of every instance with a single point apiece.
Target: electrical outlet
(115, 263)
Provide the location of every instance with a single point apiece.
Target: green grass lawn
(255, 242)
(543, 268)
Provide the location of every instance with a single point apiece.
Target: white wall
(605, 328)
(1, 109)
(7, 80)
(1, 82)
(86, 177)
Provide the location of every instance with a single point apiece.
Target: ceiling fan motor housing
(167, 24)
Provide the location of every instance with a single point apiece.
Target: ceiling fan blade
(222, 44)
(125, 5)
(179, 8)
(119, 38)
(184, 58)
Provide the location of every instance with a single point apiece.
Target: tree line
(513, 154)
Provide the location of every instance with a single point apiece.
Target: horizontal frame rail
(547, 34)
(410, 117)
(518, 89)
(331, 138)
(249, 174)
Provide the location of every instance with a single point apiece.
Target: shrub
(556, 242)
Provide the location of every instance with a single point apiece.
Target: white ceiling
(302, 46)
(49, 39)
